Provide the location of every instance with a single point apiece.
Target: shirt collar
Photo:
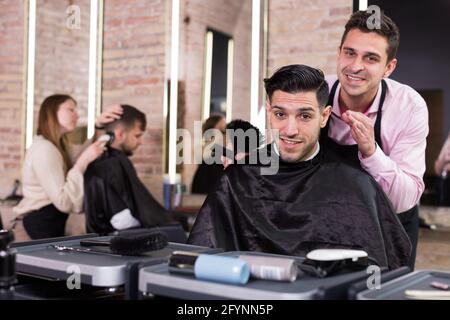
(275, 148)
(372, 109)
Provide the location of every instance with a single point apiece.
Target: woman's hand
(91, 153)
(109, 115)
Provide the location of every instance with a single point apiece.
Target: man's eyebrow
(348, 49)
(368, 53)
(305, 109)
(373, 54)
(301, 109)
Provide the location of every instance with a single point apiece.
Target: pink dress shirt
(400, 166)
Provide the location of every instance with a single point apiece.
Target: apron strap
(330, 103)
(377, 127)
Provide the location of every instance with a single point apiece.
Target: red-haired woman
(52, 183)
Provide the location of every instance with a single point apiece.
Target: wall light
(256, 33)
(208, 75)
(261, 122)
(363, 5)
(30, 73)
(230, 83)
(174, 52)
(92, 91)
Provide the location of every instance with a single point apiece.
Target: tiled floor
(433, 250)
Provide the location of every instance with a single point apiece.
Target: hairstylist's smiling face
(363, 62)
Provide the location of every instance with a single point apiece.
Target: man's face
(298, 118)
(131, 139)
(362, 62)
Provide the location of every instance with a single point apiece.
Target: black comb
(136, 244)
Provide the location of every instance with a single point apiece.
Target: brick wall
(11, 91)
(62, 54)
(136, 48)
(232, 18)
(306, 32)
(300, 31)
(133, 73)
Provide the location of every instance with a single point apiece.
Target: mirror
(215, 66)
(65, 59)
(63, 39)
(218, 77)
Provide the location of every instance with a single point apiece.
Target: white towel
(124, 220)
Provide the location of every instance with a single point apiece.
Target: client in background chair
(116, 199)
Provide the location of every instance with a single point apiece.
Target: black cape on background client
(320, 203)
(112, 185)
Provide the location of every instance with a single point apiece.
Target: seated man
(115, 197)
(314, 200)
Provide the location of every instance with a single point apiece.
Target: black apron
(409, 218)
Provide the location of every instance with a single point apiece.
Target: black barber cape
(112, 185)
(320, 203)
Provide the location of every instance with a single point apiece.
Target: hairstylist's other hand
(110, 114)
(91, 153)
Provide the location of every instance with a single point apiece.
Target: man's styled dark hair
(388, 29)
(298, 78)
(129, 117)
(249, 131)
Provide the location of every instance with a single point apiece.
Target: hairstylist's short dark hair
(130, 116)
(388, 29)
(298, 78)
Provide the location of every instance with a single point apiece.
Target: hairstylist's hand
(362, 131)
(110, 114)
(91, 153)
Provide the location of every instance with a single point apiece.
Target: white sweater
(44, 182)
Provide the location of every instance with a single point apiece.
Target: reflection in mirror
(62, 39)
(215, 65)
(437, 191)
(62, 58)
(62, 53)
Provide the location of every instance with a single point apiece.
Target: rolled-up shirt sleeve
(400, 174)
